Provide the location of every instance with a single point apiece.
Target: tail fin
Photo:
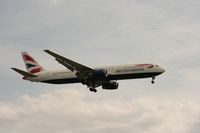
(32, 65)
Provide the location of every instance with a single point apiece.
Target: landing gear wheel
(152, 81)
(93, 90)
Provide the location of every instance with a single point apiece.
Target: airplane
(91, 77)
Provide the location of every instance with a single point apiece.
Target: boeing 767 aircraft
(78, 73)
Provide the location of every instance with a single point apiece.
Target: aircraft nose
(162, 70)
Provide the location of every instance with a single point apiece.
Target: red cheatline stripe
(28, 58)
(35, 70)
(145, 65)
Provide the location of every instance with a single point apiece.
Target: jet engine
(111, 85)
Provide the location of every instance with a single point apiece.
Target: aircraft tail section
(32, 65)
(25, 74)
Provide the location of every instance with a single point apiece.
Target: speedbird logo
(31, 65)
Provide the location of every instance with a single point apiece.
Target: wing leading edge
(71, 65)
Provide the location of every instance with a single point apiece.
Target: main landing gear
(93, 90)
(152, 81)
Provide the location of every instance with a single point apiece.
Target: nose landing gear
(152, 81)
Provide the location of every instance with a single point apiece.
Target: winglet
(25, 74)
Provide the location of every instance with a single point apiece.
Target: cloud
(51, 2)
(71, 111)
(102, 33)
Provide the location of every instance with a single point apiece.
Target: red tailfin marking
(35, 70)
(28, 58)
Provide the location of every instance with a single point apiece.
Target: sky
(101, 33)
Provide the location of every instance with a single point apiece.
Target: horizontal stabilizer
(25, 74)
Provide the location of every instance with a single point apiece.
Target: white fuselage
(119, 72)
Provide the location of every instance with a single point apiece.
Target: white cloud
(70, 111)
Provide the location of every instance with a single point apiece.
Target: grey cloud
(114, 32)
(195, 127)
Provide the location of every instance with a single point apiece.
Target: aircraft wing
(82, 72)
(71, 65)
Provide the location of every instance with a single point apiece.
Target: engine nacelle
(98, 74)
(111, 85)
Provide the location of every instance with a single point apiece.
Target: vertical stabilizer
(32, 65)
